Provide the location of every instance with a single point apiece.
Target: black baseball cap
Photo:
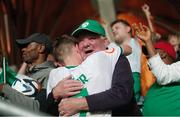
(36, 37)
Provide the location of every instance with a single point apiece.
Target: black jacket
(120, 98)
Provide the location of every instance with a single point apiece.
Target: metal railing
(7, 109)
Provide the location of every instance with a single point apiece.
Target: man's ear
(42, 48)
(163, 55)
(106, 42)
(128, 29)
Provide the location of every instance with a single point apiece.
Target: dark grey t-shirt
(38, 72)
(41, 72)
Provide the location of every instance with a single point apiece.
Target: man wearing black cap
(35, 50)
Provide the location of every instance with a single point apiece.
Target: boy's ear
(77, 48)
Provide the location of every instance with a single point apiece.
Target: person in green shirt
(162, 99)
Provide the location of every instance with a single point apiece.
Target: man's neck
(127, 39)
(38, 61)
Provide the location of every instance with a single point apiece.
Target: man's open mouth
(88, 51)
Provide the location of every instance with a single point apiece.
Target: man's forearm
(83, 105)
(165, 74)
(21, 100)
(150, 23)
(150, 48)
(22, 69)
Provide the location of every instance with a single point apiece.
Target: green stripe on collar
(69, 67)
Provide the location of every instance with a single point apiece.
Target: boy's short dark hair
(62, 44)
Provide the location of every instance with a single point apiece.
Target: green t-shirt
(162, 100)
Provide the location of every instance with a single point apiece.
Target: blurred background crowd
(131, 22)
